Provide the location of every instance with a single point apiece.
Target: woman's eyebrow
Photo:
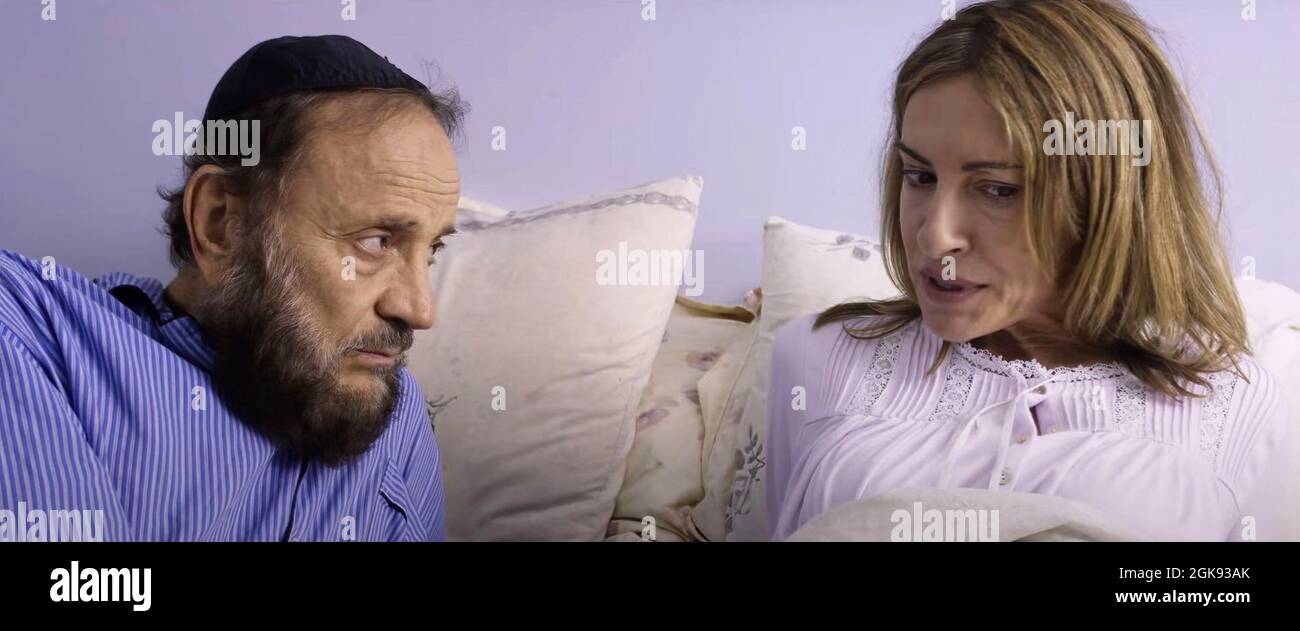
(912, 153)
(969, 166)
(978, 166)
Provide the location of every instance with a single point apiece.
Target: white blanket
(912, 515)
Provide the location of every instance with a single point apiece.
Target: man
(260, 395)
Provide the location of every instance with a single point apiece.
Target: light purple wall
(593, 98)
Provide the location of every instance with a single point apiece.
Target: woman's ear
(211, 215)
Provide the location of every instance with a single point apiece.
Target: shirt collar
(146, 297)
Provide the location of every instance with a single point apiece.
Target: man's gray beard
(276, 369)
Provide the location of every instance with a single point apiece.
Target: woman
(1068, 325)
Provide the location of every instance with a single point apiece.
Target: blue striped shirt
(98, 387)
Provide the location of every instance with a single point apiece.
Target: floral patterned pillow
(663, 479)
(805, 270)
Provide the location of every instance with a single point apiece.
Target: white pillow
(471, 205)
(805, 270)
(537, 367)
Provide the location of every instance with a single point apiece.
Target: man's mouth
(378, 357)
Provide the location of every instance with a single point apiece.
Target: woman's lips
(948, 292)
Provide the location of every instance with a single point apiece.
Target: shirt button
(1022, 440)
(1006, 477)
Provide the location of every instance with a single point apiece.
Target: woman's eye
(918, 178)
(375, 245)
(1000, 191)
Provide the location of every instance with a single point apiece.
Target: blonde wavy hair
(1135, 251)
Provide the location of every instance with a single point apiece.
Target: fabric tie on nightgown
(1030, 394)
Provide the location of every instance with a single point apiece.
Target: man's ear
(212, 216)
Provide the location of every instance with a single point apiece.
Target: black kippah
(292, 64)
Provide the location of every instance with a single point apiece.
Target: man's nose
(409, 299)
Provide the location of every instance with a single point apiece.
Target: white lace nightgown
(1170, 469)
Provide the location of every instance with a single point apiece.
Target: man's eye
(434, 250)
(374, 245)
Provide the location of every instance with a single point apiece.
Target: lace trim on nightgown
(1129, 404)
(1214, 413)
(956, 387)
(877, 374)
(1030, 369)
(1131, 408)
